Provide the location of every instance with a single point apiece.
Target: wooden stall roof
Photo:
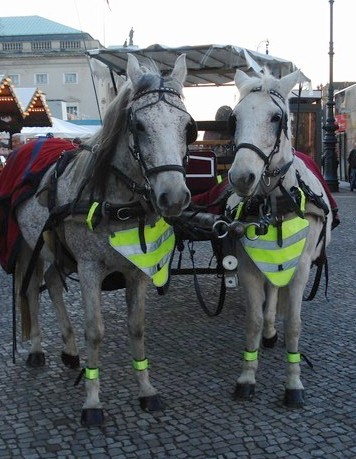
(22, 107)
(10, 105)
(11, 110)
(37, 112)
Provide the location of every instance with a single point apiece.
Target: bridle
(135, 149)
(162, 91)
(282, 128)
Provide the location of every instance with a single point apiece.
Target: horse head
(161, 130)
(262, 130)
(145, 136)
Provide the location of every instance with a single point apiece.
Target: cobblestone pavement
(195, 361)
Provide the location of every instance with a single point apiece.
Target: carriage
(117, 204)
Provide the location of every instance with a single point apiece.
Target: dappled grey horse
(288, 218)
(104, 206)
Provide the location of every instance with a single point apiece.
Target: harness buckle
(123, 217)
(219, 229)
(257, 226)
(266, 179)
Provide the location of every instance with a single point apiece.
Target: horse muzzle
(242, 184)
(172, 202)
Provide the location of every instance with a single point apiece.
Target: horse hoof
(36, 360)
(70, 361)
(92, 417)
(294, 398)
(269, 342)
(244, 391)
(151, 403)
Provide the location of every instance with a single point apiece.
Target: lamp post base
(333, 185)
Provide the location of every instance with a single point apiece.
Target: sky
(298, 30)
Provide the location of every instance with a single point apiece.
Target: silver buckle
(118, 212)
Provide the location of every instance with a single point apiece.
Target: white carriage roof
(206, 64)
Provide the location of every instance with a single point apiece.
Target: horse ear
(133, 69)
(240, 78)
(179, 71)
(288, 82)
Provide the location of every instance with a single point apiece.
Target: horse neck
(126, 164)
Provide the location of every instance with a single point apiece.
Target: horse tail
(21, 299)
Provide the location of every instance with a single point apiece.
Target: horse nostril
(177, 201)
(187, 199)
(250, 179)
(162, 201)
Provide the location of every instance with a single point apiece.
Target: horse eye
(276, 118)
(139, 127)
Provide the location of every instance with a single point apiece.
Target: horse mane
(266, 81)
(103, 145)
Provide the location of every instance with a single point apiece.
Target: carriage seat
(201, 171)
(205, 179)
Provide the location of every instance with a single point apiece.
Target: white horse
(105, 210)
(290, 219)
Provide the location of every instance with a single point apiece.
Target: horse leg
(269, 335)
(136, 286)
(54, 283)
(90, 285)
(294, 390)
(245, 387)
(29, 304)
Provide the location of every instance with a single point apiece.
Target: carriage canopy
(213, 65)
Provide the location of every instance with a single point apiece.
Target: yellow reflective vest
(160, 242)
(278, 263)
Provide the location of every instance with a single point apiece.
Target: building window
(12, 46)
(70, 78)
(41, 78)
(15, 79)
(41, 45)
(70, 44)
(72, 112)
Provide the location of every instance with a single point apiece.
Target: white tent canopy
(60, 128)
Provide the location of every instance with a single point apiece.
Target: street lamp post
(261, 43)
(330, 159)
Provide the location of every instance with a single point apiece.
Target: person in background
(77, 141)
(223, 114)
(352, 168)
(17, 140)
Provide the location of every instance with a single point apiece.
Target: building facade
(37, 52)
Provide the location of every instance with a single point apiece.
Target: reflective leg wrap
(140, 365)
(91, 373)
(294, 357)
(250, 356)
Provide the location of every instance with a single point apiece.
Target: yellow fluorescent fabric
(160, 242)
(277, 263)
(140, 365)
(91, 373)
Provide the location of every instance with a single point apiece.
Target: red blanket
(19, 180)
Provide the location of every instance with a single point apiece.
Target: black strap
(57, 215)
(320, 263)
(199, 294)
(14, 340)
